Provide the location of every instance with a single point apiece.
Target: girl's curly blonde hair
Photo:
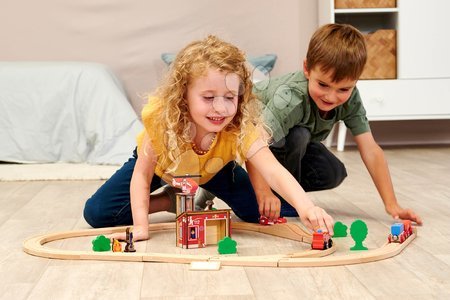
(170, 113)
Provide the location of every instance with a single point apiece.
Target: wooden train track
(308, 258)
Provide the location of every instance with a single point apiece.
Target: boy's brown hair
(339, 48)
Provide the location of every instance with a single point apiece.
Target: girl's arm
(285, 184)
(140, 191)
(373, 157)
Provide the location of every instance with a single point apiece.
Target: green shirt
(287, 104)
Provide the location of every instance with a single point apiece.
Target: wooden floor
(422, 180)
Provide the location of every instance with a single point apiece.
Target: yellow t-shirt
(223, 150)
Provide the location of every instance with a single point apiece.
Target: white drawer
(406, 99)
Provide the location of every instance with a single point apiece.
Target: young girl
(202, 119)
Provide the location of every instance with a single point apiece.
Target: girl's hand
(139, 234)
(316, 218)
(397, 212)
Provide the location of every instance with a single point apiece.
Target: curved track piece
(386, 251)
(35, 246)
(286, 230)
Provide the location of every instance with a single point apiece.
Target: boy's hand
(269, 205)
(139, 234)
(317, 218)
(397, 212)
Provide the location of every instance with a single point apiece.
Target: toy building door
(215, 230)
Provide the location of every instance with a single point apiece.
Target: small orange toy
(117, 246)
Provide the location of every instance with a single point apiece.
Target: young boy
(301, 109)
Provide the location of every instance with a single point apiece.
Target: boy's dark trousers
(311, 163)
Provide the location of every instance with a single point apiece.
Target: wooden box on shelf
(365, 3)
(381, 55)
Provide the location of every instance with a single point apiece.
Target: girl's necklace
(199, 150)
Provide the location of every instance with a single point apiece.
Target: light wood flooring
(422, 180)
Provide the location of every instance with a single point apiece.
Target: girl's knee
(91, 215)
(98, 213)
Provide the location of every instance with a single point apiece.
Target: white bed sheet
(64, 112)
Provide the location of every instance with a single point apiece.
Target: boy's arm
(285, 184)
(373, 157)
(269, 204)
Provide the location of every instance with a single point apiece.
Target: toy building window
(193, 233)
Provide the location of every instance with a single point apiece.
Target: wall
(129, 36)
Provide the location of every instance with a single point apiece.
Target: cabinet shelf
(368, 21)
(365, 10)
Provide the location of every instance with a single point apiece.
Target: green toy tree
(227, 246)
(358, 231)
(101, 243)
(340, 230)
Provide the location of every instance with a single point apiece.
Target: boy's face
(325, 93)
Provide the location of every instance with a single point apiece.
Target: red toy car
(263, 220)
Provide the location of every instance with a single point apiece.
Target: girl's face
(325, 93)
(212, 101)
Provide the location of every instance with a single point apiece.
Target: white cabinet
(422, 88)
(424, 39)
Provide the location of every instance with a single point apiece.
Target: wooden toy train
(321, 240)
(400, 232)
